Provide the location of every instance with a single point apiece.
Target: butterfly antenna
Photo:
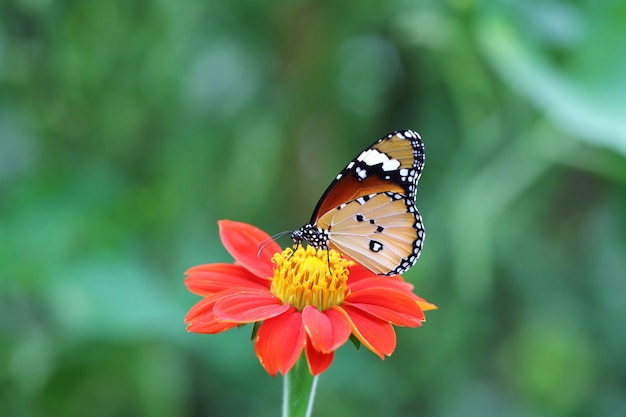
(271, 239)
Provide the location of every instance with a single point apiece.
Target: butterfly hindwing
(393, 164)
(381, 231)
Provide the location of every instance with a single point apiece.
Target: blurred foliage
(127, 129)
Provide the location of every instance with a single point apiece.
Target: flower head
(307, 299)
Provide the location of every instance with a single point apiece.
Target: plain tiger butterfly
(368, 212)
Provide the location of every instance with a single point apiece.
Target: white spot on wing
(373, 157)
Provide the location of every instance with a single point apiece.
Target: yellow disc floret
(307, 277)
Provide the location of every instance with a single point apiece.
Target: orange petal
(395, 282)
(249, 306)
(318, 361)
(327, 330)
(201, 318)
(211, 327)
(389, 305)
(425, 305)
(209, 279)
(359, 272)
(377, 335)
(342, 328)
(208, 303)
(279, 342)
(318, 327)
(202, 307)
(242, 241)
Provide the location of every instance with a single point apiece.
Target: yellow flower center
(307, 277)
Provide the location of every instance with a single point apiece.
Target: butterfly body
(368, 212)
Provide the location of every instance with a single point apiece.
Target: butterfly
(368, 212)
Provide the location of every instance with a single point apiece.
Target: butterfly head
(311, 234)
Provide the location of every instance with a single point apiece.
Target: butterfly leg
(328, 259)
(296, 246)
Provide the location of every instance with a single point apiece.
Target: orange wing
(392, 164)
(382, 231)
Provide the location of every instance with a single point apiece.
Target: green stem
(299, 390)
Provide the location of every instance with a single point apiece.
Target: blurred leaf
(581, 108)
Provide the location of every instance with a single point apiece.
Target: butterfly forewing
(393, 164)
(382, 231)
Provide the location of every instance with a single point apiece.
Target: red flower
(301, 305)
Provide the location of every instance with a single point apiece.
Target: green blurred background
(127, 129)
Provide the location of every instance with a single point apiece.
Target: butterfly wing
(381, 231)
(368, 212)
(393, 163)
